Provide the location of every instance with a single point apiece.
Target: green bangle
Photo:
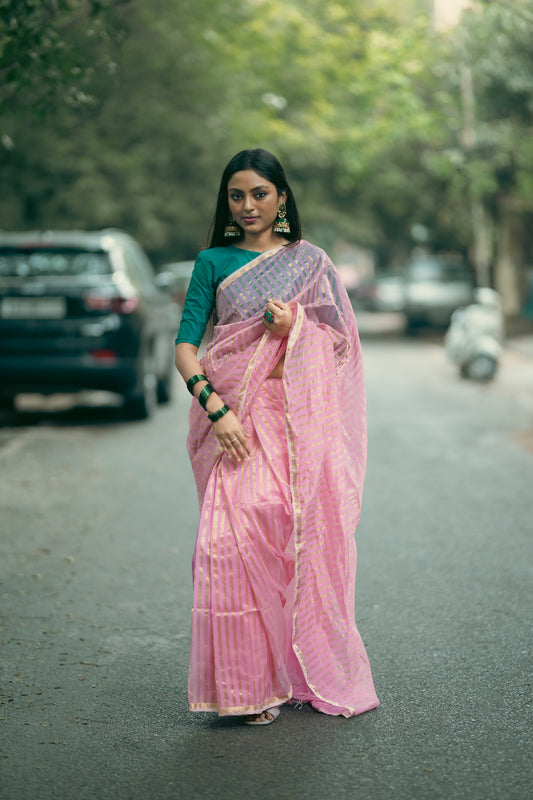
(195, 379)
(204, 394)
(218, 414)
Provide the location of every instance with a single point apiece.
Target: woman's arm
(228, 429)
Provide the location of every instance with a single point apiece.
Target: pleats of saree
(242, 570)
(243, 658)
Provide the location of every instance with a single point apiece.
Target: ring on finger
(269, 316)
(235, 439)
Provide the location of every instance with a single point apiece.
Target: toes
(264, 715)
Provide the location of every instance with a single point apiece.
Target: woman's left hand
(278, 318)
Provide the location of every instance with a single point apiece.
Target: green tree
(42, 63)
(138, 156)
(494, 158)
(361, 100)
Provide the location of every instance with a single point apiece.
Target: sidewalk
(515, 373)
(519, 335)
(521, 344)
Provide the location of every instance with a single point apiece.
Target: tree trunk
(481, 243)
(507, 274)
(468, 138)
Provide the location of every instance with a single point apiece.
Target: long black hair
(268, 166)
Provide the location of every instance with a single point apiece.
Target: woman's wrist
(211, 402)
(214, 403)
(199, 379)
(198, 386)
(218, 414)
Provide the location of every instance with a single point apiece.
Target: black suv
(82, 310)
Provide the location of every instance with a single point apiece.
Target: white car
(435, 286)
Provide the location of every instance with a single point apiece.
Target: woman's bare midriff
(277, 372)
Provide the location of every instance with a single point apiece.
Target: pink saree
(275, 557)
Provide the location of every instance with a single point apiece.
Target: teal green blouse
(211, 268)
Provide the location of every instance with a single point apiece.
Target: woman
(278, 448)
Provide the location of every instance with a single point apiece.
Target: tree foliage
(124, 113)
(42, 44)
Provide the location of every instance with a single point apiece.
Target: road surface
(97, 530)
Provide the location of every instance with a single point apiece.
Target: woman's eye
(235, 197)
(260, 195)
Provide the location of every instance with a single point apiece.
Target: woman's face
(253, 201)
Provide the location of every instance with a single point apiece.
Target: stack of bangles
(204, 394)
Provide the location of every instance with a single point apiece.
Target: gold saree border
(245, 381)
(249, 265)
(240, 710)
(291, 444)
(243, 388)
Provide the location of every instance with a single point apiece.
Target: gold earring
(232, 230)
(282, 225)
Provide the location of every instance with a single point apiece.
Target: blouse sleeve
(199, 303)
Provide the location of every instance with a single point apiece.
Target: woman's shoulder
(207, 255)
(308, 249)
(214, 251)
(208, 261)
(215, 256)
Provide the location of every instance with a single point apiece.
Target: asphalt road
(97, 530)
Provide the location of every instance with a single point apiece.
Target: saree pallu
(274, 563)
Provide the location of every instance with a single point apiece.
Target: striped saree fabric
(275, 557)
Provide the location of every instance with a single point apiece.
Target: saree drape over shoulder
(275, 557)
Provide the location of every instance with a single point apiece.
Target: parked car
(82, 310)
(388, 291)
(435, 285)
(362, 294)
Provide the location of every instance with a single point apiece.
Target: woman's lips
(249, 220)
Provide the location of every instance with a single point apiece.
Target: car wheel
(164, 386)
(7, 402)
(141, 403)
(412, 326)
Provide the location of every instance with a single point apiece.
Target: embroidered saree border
(245, 267)
(293, 461)
(242, 710)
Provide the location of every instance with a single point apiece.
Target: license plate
(33, 308)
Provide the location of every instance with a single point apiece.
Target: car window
(442, 271)
(29, 263)
(139, 268)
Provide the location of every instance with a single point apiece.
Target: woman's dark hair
(268, 166)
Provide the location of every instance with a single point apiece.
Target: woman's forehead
(248, 179)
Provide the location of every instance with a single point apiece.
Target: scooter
(474, 339)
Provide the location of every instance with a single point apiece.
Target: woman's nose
(248, 203)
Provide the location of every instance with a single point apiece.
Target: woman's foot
(264, 718)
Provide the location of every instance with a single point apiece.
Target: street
(98, 523)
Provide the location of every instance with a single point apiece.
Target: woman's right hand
(278, 318)
(231, 436)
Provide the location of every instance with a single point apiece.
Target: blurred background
(402, 125)
(406, 131)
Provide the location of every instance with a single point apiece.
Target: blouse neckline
(245, 250)
(258, 252)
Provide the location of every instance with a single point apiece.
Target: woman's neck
(262, 243)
